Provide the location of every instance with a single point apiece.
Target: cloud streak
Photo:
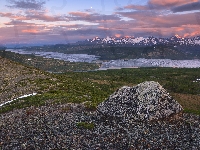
(91, 17)
(132, 7)
(26, 4)
(168, 3)
(187, 7)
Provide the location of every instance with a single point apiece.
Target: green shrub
(197, 112)
(90, 106)
(85, 125)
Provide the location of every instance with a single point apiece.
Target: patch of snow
(27, 95)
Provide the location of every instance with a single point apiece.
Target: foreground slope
(60, 124)
(71, 126)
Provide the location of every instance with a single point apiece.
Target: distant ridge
(145, 41)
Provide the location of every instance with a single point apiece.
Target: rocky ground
(145, 102)
(55, 127)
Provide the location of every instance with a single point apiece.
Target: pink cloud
(30, 31)
(136, 7)
(6, 14)
(33, 15)
(171, 20)
(79, 14)
(118, 35)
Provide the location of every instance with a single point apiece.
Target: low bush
(85, 125)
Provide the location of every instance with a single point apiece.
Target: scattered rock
(145, 102)
(63, 127)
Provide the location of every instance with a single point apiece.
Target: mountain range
(112, 48)
(148, 41)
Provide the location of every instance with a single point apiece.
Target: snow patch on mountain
(176, 40)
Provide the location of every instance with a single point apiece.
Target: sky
(41, 22)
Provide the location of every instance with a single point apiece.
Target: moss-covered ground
(96, 86)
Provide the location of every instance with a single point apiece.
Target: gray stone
(145, 102)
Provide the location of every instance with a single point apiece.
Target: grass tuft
(85, 125)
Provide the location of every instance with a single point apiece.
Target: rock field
(55, 126)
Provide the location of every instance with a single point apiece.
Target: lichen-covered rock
(145, 102)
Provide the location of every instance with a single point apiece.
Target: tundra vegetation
(94, 87)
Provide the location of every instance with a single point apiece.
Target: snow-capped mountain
(148, 41)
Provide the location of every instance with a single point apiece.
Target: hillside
(17, 80)
(51, 120)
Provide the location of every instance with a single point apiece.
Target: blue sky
(64, 21)
(103, 6)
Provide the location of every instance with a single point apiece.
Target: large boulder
(145, 102)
